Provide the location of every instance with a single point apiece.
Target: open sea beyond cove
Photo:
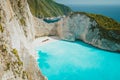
(61, 60)
(112, 11)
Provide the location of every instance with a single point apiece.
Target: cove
(61, 60)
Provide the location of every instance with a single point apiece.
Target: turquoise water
(61, 60)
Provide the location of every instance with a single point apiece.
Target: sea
(62, 60)
(112, 11)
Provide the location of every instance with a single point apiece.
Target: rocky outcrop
(83, 27)
(16, 34)
(43, 28)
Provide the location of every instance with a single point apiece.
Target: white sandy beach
(41, 41)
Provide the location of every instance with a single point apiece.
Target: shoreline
(39, 42)
(42, 41)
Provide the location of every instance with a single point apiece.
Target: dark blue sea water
(61, 60)
(112, 11)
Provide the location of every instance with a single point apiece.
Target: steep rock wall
(82, 27)
(43, 28)
(16, 34)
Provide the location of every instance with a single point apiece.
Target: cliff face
(45, 29)
(47, 8)
(16, 34)
(86, 28)
(83, 27)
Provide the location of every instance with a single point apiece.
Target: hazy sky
(96, 2)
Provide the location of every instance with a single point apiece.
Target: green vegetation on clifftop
(47, 8)
(106, 22)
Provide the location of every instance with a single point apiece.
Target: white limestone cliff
(16, 34)
(80, 26)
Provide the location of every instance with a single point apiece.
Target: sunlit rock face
(43, 28)
(75, 27)
(82, 27)
(16, 34)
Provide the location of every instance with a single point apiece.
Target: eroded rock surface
(81, 26)
(16, 34)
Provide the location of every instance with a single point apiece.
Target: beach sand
(41, 41)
